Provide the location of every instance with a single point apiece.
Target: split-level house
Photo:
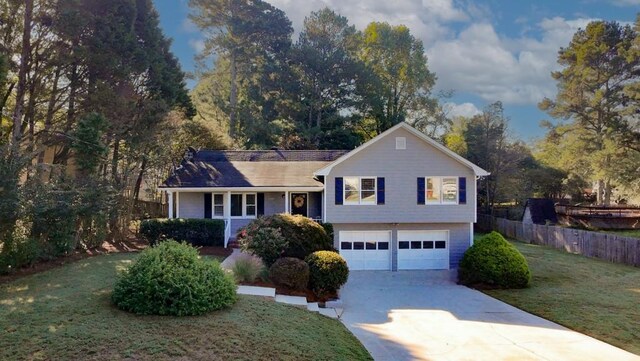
(399, 201)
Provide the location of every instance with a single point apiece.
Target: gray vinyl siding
(459, 236)
(237, 223)
(273, 203)
(191, 204)
(400, 168)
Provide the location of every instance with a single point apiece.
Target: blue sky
(482, 50)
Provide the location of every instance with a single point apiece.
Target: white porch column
(177, 204)
(227, 205)
(286, 202)
(170, 203)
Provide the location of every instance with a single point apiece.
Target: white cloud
(196, 44)
(427, 19)
(623, 3)
(513, 70)
(461, 110)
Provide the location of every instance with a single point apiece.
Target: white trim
(286, 202)
(243, 189)
(213, 205)
(170, 203)
(177, 204)
(360, 178)
(477, 170)
(307, 201)
(441, 201)
(244, 205)
(324, 205)
(470, 234)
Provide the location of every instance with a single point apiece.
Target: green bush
(494, 262)
(303, 236)
(247, 270)
(328, 271)
(266, 242)
(197, 232)
(171, 279)
(328, 227)
(18, 252)
(290, 272)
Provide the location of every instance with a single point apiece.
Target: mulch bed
(129, 245)
(215, 251)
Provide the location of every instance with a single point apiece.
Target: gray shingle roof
(262, 168)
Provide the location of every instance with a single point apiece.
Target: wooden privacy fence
(610, 247)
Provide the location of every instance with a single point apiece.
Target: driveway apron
(425, 315)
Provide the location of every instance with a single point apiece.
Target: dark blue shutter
(260, 204)
(420, 190)
(380, 186)
(339, 190)
(462, 190)
(207, 205)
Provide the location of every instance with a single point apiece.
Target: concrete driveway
(424, 315)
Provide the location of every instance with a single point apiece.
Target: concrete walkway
(424, 315)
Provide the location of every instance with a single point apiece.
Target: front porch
(237, 207)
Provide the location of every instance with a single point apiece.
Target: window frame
(441, 201)
(243, 206)
(214, 205)
(360, 190)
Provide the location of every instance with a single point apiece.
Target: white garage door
(366, 250)
(423, 250)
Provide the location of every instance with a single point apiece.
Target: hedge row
(197, 232)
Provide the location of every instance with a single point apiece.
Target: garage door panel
(423, 250)
(366, 250)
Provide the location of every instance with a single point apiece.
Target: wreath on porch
(298, 201)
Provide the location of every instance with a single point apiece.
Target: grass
(594, 297)
(625, 232)
(66, 313)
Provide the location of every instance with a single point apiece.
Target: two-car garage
(416, 249)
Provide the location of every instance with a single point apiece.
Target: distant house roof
(542, 210)
(251, 168)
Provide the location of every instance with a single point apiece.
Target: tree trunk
(136, 190)
(607, 192)
(114, 161)
(233, 96)
(22, 75)
(48, 120)
(599, 192)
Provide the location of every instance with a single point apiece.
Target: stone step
(292, 300)
(257, 291)
(313, 307)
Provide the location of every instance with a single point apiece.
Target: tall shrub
(171, 279)
(494, 262)
(197, 232)
(303, 235)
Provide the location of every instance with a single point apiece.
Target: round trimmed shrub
(328, 271)
(290, 272)
(494, 262)
(302, 236)
(172, 279)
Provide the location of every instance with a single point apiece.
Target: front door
(299, 203)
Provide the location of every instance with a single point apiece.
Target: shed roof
(542, 210)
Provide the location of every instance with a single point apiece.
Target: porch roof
(273, 168)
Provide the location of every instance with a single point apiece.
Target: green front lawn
(66, 314)
(594, 297)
